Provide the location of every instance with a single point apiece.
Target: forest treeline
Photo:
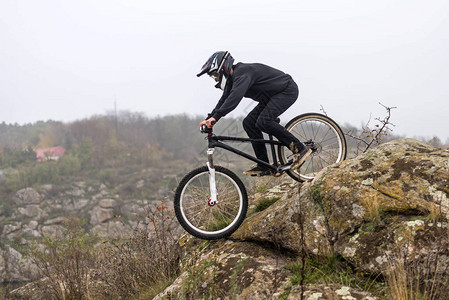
(106, 142)
(102, 140)
(99, 146)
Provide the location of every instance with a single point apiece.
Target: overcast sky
(67, 60)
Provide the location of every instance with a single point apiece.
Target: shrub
(145, 263)
(65, 262)
(75, 266)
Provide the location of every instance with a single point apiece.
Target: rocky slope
(389, 204)
(42, 210)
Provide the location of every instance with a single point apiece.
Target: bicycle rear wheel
(195, 212)
(325, 138)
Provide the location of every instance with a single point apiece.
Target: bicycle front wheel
(202, 218)
(325, 138)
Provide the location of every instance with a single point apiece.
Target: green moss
(190, 287)
(316, 194)
(235, 286)
(332, 270)
(262, 187)
(265, 202)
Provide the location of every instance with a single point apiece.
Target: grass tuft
(333, 270)
(265, 202)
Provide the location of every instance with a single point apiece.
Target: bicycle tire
(217, 221)
(327, 137)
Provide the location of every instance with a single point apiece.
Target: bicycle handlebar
(205, 129)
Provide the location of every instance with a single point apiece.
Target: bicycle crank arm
(212, 186)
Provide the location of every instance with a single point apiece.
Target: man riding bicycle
(273, 89)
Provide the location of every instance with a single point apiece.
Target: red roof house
(52, 153)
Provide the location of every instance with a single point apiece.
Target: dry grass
(426, 277)
(76, 266)
(405, 283)
(146, 263)
(435, 212)
(372, 207)
(64, 262)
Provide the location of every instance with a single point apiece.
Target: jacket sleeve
(219, 104)
(227, 104)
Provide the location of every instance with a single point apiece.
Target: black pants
(263, 116)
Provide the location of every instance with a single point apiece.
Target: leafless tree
(373, 136)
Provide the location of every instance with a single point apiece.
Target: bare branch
(369, 137)
(322, 109)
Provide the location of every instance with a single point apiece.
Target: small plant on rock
(265, 202)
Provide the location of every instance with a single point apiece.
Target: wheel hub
(211, 202)
(317, 148)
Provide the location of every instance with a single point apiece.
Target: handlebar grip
(205, 129)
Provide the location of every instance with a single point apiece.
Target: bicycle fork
(212, 185)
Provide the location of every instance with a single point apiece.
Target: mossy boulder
(393, 200)
(388, 200)
(223, 269)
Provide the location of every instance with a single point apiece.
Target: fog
(66, 60)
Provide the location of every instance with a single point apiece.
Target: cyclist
(273, 89)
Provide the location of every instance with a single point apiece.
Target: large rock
(19, 267)
(392, 199)
(27, 196)
(223, 269)
(365, 209)
(32, 211)
(388, 202)
(402, 177)
(11, 228)
(280, 224)
(99, 215)
(108, 203)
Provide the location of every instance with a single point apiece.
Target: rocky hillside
(42, 210)
(359, 218)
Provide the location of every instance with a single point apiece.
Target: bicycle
(211, 201)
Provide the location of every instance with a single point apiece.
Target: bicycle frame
(214, 141)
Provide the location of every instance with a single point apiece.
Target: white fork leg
(212, 185)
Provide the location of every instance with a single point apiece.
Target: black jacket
(256, 81)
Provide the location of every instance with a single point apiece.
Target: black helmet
(219, 64)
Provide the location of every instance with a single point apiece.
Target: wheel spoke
(330, 146)
(202, 219)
